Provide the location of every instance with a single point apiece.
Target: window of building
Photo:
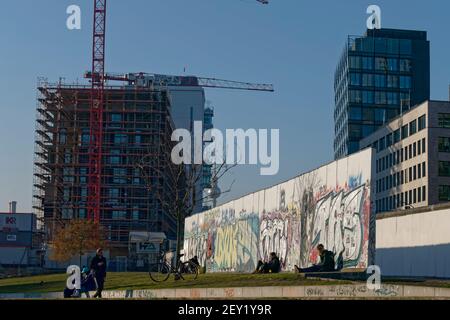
(401, 155)
(419, 170)
(355, 113)
(114, 160)
(444, 168)
(367, 80)
(380, 81)
(389, 140)
(405, 46)
(415, 173)
(392, 81)
(443, 120)
(382, 144)
(367, 114)
(444, 193)
(85, 138)
(402, 177)
(380, 64)
(135, 214)
(355, 79)
(423, 170)
(406, 198)
(63, 136)
(367, 130)
(396, 135)
(392, 98)
(406, 153)
(405, 101)
(405, 82)
(444, 144)
(405, 133)
(410, 197)
(355, 62)
(392, 64)
(422, 122)
(423, 145)
(367, 97)
(367, 63)
(419, 149)
(424, 193)
(114, 193)
(67, 213)
(380, 115)
(419, 195)
(410, 174)
(120, 138)
(82, 213)
(119, 214)
(412, 127)
(380, 98)
(355, 96)
(116, 117)
(405, 65)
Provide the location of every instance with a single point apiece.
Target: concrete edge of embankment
(289, 292)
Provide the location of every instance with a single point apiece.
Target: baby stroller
(88, 283)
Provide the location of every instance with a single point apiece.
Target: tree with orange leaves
(76, 238)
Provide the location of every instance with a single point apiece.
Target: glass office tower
(379, 76)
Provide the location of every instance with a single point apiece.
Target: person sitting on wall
(273, 266)
(326, 263)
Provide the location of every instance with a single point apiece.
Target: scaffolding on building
(136, 123)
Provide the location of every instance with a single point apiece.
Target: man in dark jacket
(98, 265)
(326, 263)
(273, 266)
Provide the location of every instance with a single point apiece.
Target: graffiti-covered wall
(330, 205)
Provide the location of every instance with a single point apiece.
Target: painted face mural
(330, 205)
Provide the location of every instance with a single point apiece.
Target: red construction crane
(96, 111)
(98, 78)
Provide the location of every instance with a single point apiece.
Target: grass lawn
(141, 280)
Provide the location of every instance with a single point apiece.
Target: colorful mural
(330, 205)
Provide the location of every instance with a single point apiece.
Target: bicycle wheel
(159, 272)
(188, 270)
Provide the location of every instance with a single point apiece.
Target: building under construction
(136, 126)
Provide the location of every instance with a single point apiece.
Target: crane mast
(96, 111)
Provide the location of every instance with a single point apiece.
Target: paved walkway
(325, 291)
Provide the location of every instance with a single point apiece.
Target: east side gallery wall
(330, 205)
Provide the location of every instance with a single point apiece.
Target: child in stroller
(87, 284)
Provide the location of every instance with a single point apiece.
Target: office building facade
(412, 162)
(379, 76)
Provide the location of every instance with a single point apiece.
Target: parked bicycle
(187, 270)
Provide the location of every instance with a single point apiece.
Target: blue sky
(294, 44)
